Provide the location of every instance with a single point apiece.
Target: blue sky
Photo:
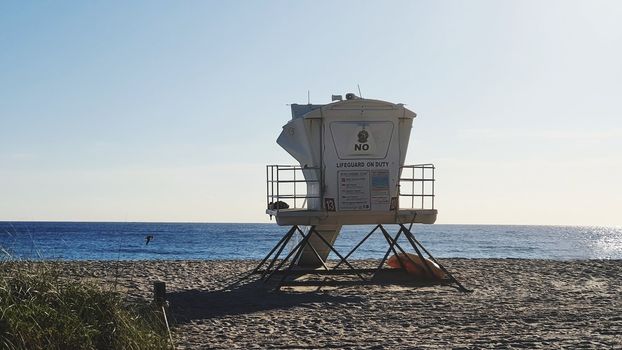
(169, 111)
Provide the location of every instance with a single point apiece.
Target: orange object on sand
(416, 267)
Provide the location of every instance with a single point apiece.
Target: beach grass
(40, 309)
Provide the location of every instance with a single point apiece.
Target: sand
(514, 304)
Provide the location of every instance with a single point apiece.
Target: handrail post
(272, 183)
(294, 187)
(433, 181)
(412, 188)
(422, 187)
(278, 196)
(267, 188)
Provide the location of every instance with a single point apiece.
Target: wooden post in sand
(159, 293)
(159, 299)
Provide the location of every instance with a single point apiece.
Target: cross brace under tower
(286, 267)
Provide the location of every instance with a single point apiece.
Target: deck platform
(288, 217)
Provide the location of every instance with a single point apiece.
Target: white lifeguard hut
(351, 171)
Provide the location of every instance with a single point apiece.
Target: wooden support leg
(298, 251)
(427, 266)
(398, 246)
(283, 241)
(390, 241)
(453, 279)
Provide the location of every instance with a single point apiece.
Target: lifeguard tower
(351, 171)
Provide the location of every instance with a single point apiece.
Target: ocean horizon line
(274, 223)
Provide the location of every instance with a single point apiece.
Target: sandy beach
(514, 304)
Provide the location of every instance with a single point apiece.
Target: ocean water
(212, 241)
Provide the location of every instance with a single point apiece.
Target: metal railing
(416, 187)
(287, 184)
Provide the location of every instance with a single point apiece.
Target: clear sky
(169, 110)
